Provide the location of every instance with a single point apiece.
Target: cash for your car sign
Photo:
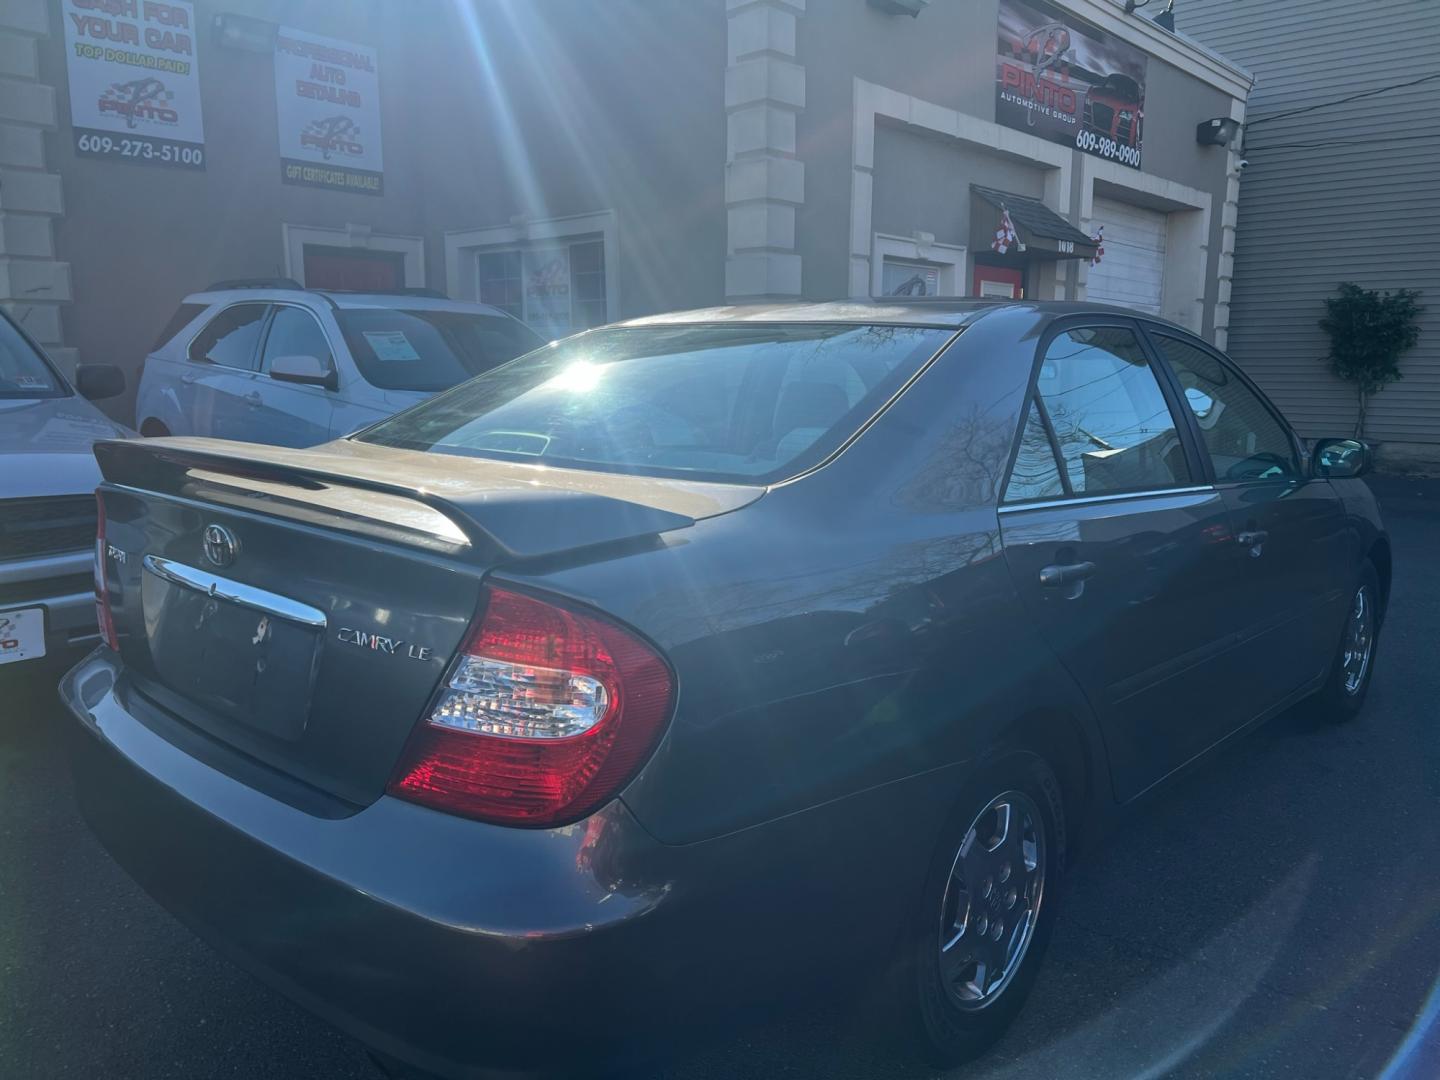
(327, 97)
(134, 83)
(1066, 81)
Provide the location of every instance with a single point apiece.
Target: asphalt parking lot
(1274, 914)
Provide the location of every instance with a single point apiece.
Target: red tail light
(545, 716)
(102, 581)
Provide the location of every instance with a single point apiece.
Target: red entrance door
(1001, 282)
(353, 269)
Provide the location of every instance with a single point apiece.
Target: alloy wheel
(1359, 641)
(992, 900)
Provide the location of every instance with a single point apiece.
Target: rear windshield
(430, 350)
(23, 371)
(742, 403)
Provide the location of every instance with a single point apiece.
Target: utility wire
(1344, 100)
(1341, 144)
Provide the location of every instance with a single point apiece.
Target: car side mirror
(1339, 459)
(97, 381)
(311, 370)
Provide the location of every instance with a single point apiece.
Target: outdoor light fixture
(244, 32)
(900, 7)
(1219, 131)
(1165, 20)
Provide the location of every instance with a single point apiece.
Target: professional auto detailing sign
(134, 83)
(327, 97)
(1066, 81)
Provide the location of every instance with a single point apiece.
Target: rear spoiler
(501, 516)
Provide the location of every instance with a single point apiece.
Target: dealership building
(576, 163)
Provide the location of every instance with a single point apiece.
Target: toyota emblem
(221, 547)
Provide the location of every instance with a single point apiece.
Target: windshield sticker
(31, 382)
(391, 345)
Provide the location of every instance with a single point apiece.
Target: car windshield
(743, 403)
(430, 350)
(23, 371)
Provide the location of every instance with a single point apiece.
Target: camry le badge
(381, 643)
(220, 545)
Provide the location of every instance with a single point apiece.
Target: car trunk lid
(300, 607)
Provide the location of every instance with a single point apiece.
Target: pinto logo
(333, 135)
(140, 99)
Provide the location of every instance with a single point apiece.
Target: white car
(272, 362)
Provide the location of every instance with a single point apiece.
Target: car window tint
(231, 337)
(1110, 418)
(1036, 474)
(294, 332)
(1243, 437)
(743, 403)
(182, 318)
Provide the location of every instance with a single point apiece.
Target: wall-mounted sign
(1066, 81)
(134, 84)
(327, 101)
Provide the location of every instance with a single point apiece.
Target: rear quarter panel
(852, 628)
(159, 396)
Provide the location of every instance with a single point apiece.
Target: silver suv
(272, 362)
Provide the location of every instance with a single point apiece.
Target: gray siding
(1342, 193)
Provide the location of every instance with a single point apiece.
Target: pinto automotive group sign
(327, 97)
(1066, 81)
(134, 83)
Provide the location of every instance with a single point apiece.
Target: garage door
(1132, 270)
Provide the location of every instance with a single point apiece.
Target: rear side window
(184, 315)
(1244, 439)
(745, 403)
(230, 339)
(1107, 417)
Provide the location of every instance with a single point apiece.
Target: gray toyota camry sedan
(702, 661)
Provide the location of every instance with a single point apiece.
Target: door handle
(1252, 539)
(189, 377)
(253, 399)
(1053, 577)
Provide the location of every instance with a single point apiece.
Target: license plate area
(241, 653)
(22, 635)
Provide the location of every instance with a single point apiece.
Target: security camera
(1242, 164)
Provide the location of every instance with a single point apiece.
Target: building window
(899, 277)
(558, 288)
(916, 265)
(587, 283)
(500, 281)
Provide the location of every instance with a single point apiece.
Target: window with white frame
(557, 287)
(916, 265)
(903, 277)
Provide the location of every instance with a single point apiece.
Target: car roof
(909, 310)
(333, 299)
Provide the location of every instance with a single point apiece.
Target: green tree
(1369, 331)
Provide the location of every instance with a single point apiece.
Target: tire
(1343, 695)
(948, 1011)
(154, 429)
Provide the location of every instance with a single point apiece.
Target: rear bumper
(472, 950)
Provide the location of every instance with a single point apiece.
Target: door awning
(1042, 232)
